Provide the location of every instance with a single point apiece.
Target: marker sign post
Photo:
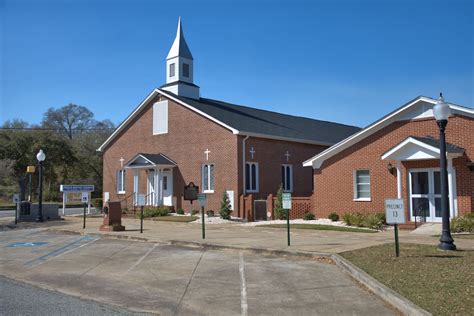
(395, 214)
(85, 201)
(141, 203)
(16, 201)
(202, 199)
(72, 188)
(286, 201)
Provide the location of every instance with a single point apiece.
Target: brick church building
(398, 157)
(175, 136)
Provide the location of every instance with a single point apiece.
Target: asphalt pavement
(68, 212)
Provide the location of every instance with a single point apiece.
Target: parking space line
(141, 259)
(64, 249)
(187, 285)
(243, 286)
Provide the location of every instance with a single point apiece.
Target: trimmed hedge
(373, 221)
(333, 217)
(154, 212)
(308, 216)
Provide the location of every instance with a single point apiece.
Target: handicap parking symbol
(27, 244)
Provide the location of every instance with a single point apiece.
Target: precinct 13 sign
(395, 211)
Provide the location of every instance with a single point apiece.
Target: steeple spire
(180, 68)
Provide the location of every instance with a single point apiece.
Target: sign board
(191, 191)
(85, 197)
(141, 200)
(286, 199)
(30, 169)
(76, 188)
(202, 199)
(394, 211)
(16, 198)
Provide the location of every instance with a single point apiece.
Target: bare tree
(69, 119)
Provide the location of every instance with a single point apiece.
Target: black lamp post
(40, 156)
(441, 113)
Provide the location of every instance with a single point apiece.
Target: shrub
(154, 212)
(194, 212)
(210, 213)
(374, 221)
(180, 211)
(308, 216)
(97, 203)
(333, 217)
(225, 210)
(463, 224)
(280, 213)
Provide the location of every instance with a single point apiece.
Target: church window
(287, 177)
(121, 181)
(185, 70)
(208, 178)
(172, 69)
(160, 118)
(251, 177)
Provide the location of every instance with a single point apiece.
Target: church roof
(256, 122)
(179, 47)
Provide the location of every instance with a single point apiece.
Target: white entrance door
(151, 188)
(167, 187)
(425, 194)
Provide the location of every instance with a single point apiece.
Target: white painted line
(141, 259)
(243, 286)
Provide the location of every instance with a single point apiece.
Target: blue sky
(344, 61)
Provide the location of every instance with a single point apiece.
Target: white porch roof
(149, 161)
(420, 148)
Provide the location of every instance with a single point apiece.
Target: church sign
(191, 192)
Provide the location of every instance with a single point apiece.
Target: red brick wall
(333, 183)
(189, 135)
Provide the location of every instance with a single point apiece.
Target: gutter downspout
(243, 164)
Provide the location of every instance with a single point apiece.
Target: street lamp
(41, 157)
(441, 113)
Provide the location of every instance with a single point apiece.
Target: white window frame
(208, 177)
(160, 118)
(172, 73)
(121, 174)
(285, 166)
(356, 196)
(257, 180)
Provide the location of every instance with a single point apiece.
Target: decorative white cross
(121, 162)
(207, 152)
(287, 154)
(252, 151)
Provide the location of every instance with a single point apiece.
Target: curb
(378, 289)
(383, 292)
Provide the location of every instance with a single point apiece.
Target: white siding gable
(160, 118)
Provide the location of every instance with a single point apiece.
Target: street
(169, 280)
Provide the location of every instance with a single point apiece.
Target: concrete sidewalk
(239, 236)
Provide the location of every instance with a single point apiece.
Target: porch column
(451, 190)
(136, 185)
(399, 179)
(157, 186)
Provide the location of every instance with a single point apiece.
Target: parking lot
(169, 280)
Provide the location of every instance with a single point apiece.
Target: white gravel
(321, 221)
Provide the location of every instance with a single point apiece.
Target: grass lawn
(464, 236)
(440, 282)
(170, 218)
(321, 227)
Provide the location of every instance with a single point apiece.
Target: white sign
(16, 198)
(76, 188)
(394, 211)
(141, 200)
(85, 197)
(202, 199)
(286, 199)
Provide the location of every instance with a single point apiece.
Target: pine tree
(280, 213)
(225, 210)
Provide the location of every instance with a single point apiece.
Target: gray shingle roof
(450, 148)
(256, 121)
(150, 160)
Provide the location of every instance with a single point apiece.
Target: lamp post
(40, 156)
(441, 113)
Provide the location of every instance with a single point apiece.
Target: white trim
(208, 177)
(355, 183)
(291, 177)
(436, 150)
(318, 159)
(289, 139)
(257, 176)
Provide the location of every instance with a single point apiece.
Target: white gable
(160, 117)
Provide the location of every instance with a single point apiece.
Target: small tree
(280, 213)
(225, 210)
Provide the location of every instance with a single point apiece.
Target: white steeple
(180, 68)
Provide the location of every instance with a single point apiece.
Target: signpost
(66, 188)
(141, 203)
(395, 214)
(202, 203)
(16, 201)
(85, 201)
(286, 199)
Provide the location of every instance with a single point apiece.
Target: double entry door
(425, 194)
(160, 187)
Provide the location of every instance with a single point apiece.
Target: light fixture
(441, 110)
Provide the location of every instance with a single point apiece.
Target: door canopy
(149, 161)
